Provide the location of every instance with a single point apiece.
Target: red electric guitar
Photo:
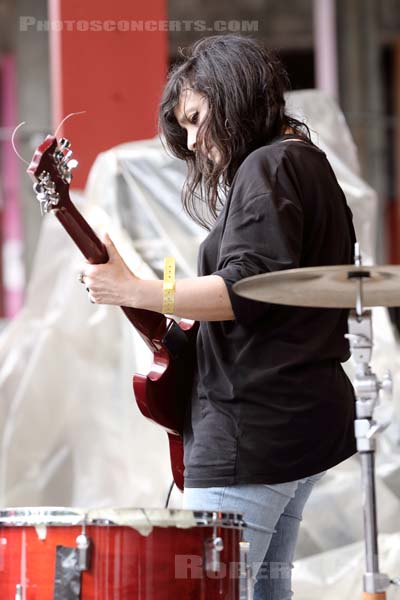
(163, 394)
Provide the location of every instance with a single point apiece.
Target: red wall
(116, 76)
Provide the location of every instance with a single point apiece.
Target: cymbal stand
(367, 388)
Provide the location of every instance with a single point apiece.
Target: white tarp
(70, 431)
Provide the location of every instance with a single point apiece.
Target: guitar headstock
(51, 170)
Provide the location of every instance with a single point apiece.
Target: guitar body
(163, 394)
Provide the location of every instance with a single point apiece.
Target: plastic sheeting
(338, 573)
(71, 433)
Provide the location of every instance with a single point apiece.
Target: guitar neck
(152, 326)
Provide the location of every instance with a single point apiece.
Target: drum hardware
(346, 286)
(213, 549)
(367, 388)
(83, 546)
(18, 592)
(121, 543)
(246, 572)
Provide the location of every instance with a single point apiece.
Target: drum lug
(246, 574)
(83, 547)
(18, 592)
(213, 549)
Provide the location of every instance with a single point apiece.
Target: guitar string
(81, 112)
(55, 134)
(13, 142)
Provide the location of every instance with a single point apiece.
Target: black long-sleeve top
(271, 402)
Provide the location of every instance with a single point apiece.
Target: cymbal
(326, 287)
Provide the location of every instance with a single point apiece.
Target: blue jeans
(272, 514)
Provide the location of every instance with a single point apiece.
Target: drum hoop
(36, 516)
(63, 516)
(199, 519)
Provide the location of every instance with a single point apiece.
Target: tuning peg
(64, 143)
(72, 164)
(42, 196)
(67, 156)
(58, 155)
(44, 177)
(38, 188)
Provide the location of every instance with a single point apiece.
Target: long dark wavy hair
(244, 84)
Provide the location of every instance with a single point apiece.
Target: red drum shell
(125, 564)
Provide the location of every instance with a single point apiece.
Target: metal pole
(370, 518)
(325, 49)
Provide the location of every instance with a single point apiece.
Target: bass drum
(123, 554)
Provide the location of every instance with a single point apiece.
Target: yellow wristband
(169, 286)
